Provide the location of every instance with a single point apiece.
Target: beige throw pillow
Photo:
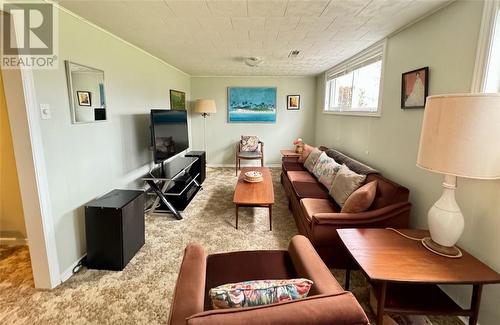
(312, 159)
(344, 184)
(361, 199)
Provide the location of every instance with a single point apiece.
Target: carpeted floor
(141, 293)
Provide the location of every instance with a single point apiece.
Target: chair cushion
(325, 170)
(292, 166)
(250, 154)
(305, 153)
(311, 207)
(361, 199)
(312, 159)
(344, 184)
(310, 190)
(258, 292)
(249, 143)
(301, 176)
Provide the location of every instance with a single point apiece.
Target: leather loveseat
(327, 302)
(318, 216)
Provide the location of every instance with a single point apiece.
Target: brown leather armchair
(249, 155)
(327, 302)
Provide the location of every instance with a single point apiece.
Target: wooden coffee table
(255, 194)
(405, 275)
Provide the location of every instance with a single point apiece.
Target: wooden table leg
(270, 218)
(237, 207)
(347, 278)
(381, 303)
(475, 302)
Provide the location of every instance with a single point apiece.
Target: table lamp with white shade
(205, 107)
(460, 138)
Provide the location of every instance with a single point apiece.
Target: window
(492, 84)
(487, 69)
(354, 86)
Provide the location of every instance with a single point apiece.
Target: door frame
(24, 119)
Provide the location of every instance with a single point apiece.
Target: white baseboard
(232, 165)
(465, 320)
(69, 271)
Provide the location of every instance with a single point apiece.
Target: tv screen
(169, 133)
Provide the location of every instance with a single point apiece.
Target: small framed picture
(177, 100)
(84, 98)
(414, 88)
(293, 102)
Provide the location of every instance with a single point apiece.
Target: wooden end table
(289, 153)
(405, 275)
(255, 194)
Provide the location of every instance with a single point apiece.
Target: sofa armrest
(365, 217)
(189, 293)
(341, 309)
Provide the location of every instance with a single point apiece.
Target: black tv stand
(174, 184)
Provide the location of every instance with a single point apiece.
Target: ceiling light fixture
(253, 61)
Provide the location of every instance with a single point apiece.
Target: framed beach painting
(251, 104)
(414, 88)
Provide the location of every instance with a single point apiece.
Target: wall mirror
(86, 93)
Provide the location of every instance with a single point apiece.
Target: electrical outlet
(45, 111)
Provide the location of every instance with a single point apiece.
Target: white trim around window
(489, 33)
(344, 80)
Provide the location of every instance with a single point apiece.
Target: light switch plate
(45, 111)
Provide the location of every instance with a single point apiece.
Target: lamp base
(451, 252)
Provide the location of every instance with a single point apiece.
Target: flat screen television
(169, 132)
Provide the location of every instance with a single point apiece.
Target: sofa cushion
(305, 153)
(344, 184)
(310, 207)
(310, 190)
(325, 170)
(361, 199)
(292, 166)
(258, 292)
(301, 176)
(352, 163)
(312, 159)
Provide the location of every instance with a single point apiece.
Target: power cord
(79, 266)
(422, 240)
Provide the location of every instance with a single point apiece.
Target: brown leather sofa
(318, 217)
(327, 302)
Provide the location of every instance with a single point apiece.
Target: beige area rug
(141, 293)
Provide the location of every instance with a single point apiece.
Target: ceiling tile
(339, 8)
(188, 8)
(282, 23)
(317, 24)
(215, 23)
(266, 8)
(225, 8)
(305, 8)
(248, 23)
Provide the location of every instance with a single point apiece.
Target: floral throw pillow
(249, 143)
(325, 169)
(259, 292)
(312, 159)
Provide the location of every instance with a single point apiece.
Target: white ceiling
(211, 37)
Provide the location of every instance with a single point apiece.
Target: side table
(405, 275)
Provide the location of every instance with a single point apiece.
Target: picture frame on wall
(84, 98)
(414, 88)
(251, 104)
(177, 100)
(293, 102)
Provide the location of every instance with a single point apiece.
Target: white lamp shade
(461, 135)
(205, 106)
